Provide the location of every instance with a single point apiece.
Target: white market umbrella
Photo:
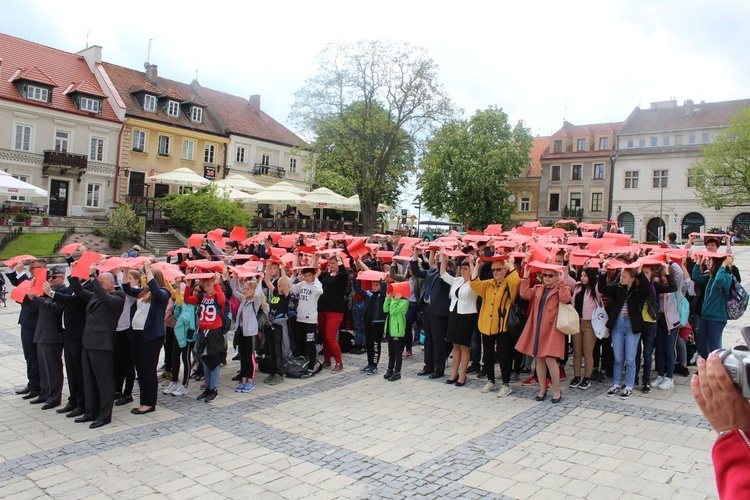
(325, 198)
(381, 207)
(287, 186)
(9, 185)
(182, 176)
(240, 182)
(233, 194)
(279, 194)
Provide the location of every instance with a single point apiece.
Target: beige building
(526, 186)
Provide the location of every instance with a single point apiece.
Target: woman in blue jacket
(715, 282)
(148, 332)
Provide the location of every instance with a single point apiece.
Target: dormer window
(37, 93)
(196, 114)
(173, 108)
(581, 143)
(90, 105)
(149, 103)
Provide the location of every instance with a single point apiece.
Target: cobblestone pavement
(350, 435)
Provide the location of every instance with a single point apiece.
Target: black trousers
(51, 372)
(124, 367)
(183, 354)
(305, 342)
(99, 383)
(603, 352)
(434, 344)
(373, 341)
(395, 346)
(73, 352)
(168, 345)
(31, 357)
(246, 347)
(146, 360)
(275, 345)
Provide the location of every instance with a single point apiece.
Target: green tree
(366, 107)
(203, 211)
(467, 165)
(722, 176)
(122, 224)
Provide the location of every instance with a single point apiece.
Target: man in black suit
(103, 308)
(48, 338)
(434, 302)
(74, 321)
(27, 319)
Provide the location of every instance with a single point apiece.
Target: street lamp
(660, 231)
(418, 205)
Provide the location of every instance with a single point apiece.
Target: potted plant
(20, 218)
(3, 218)
(45, 221)
(28, 220)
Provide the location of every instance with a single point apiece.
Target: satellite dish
(512, 198)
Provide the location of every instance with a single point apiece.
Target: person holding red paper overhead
(331, 309)
(540, 337)
(27, 319)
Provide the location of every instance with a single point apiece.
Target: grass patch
(35, 244)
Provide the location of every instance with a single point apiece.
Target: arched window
(652, 229)
(692, 223)
(626, 221)
(742, 222)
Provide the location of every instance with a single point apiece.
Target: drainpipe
(612, 159)
(117, 164)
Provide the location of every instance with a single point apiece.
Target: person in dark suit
(27, 319)
(48, 338)
(103, 308)
(434, 302)
(74, 322)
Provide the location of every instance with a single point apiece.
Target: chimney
(151, 72)
(689, 109)
(254, 102)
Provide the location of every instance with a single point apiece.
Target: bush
(203, 210)
(122, 225)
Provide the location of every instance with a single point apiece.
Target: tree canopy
(722, 176)
(467, 165)
(367, 107)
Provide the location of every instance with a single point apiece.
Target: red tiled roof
(537, 150)
(241, 118)
(84, 87)
(704, 115)
(569, 130)
(128, 82)
(48, 66)
(173, 94)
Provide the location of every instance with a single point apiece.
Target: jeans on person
(665, 340)
(411, 319)
(708, 336)
(646, 351)
(624, 347)
(681, 351)
(358, 318)
(212, 376)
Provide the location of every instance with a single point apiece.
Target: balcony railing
(54, 158)
(268, 170)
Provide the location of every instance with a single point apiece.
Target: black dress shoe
(138, 411)
(23, 390)
(124, 400)
(86, 417)
(38, 400)
(472, 369)
(49, 406)
(118, 395)
(65, 409)
(98, 423)
(76, 413)
(436, 375)
(424, 372)
(31, 395)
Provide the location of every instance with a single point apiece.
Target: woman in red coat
(540, 337)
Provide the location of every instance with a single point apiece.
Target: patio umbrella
(240, 182)
(287, 186)
(9, 185)
(182, 176)
(233, 194)
(325, 198)
(279, 194)
(381, 207)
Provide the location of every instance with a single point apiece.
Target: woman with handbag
(625, 322)
(587, 301)
(541, 337)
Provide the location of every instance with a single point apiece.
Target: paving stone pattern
(350, 435)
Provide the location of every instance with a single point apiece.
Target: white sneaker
(489, 386)
(181, 391)
(505, 390)
(667, 383)
(658, 381)
(171, 388)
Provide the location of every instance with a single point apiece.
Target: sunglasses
(547, 275)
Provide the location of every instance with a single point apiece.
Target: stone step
(163, 242)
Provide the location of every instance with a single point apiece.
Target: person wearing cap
(308, 289)
(48, 337)
(540, 337)
(395, 308)
(134, 251)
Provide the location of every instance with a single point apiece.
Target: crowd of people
(477, 299)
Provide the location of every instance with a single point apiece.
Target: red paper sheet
(81, 269)
(70, 248)
(40, 277)
(19, 258)
(195, 240)
(238, 233)
(19, 292)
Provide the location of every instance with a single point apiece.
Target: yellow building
(526, 187)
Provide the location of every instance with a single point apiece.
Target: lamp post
(660, 231)
(418, 205)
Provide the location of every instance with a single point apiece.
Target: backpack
(737, 300)
(683, 306)
(297, 367)
(346, 340)
(234, 305)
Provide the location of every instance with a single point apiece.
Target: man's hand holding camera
(717, 396)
